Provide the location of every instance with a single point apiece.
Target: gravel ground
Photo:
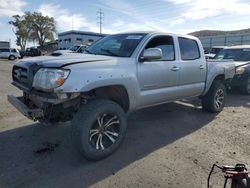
(172, 145)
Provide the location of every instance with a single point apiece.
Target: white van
(9, 53)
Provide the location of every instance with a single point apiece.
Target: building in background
(4, 44)
(70, 38)
(225, 40)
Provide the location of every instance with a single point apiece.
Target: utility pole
(100, 17)
(72, 22)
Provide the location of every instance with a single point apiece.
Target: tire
(214, 100)
(98, 129)
(12, 57)
(245, 87)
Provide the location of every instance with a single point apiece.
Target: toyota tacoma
(116, 75)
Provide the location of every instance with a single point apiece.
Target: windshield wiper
(109, 52)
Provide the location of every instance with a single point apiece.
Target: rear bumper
(18, 103)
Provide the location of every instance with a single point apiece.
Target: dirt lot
(172, 145)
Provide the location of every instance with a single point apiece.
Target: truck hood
(62, 61)
(241, 63)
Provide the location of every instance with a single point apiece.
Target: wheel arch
(220, 77)
(116, 93)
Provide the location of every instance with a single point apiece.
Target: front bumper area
(31, 113)
(238, 80)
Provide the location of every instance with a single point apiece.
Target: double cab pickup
(118, 74)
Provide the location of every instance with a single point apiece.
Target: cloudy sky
(178, 16)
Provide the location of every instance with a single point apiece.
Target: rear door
(192, 68)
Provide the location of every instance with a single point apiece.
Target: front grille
(20, 75)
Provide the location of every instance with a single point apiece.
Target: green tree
(43, 27)
(22, 30)
(33, 27)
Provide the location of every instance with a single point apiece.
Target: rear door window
(189, 49)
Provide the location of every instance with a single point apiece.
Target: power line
(100, 18)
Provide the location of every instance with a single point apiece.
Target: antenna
(100, 17)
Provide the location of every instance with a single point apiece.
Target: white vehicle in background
(9, 53)
(73, 49)
(214, 51)
(240, 55)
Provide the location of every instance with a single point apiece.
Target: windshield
(235, 54)
(215, 50)
(121, 45)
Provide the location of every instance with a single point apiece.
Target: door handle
(175, 68)
(202, 67)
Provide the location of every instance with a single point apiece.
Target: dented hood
(61, 61)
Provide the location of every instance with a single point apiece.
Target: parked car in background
(78, 48)
(9, 53)
(213, 52)
(73, 49)
(241, 56)
(22, 53)
(32, 52)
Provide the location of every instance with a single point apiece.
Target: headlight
(239, 70)
(49, 78)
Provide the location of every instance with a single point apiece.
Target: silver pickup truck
(118, 74)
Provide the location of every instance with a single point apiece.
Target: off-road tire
(210, 99)
(88, 118)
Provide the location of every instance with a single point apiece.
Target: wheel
(245, 87)
(214, 100)
(98, 128)
(12, 57)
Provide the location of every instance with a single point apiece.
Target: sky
(175, 16)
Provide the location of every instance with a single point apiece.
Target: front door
(158, 78)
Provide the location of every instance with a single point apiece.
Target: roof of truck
(158, 32)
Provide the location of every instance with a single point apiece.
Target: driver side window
(166, 44)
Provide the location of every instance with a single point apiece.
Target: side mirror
(151, 54)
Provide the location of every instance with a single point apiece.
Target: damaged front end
(39, 102)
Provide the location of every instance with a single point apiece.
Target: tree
(22, 30)
(43, 27)
(33, 26)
